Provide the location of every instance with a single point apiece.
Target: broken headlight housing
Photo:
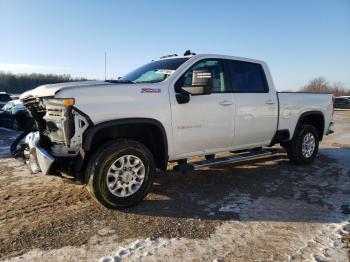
(64, 126)
(58, 119)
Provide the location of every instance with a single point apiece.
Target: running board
(223, 160)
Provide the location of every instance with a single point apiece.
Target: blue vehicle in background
(13, 116)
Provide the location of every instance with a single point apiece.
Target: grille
(36, 110)
(33, 104)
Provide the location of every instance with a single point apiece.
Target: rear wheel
(121, 174)
(304, 146)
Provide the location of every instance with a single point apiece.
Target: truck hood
(52, 89)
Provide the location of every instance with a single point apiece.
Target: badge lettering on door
(150, 90)
(189, 126)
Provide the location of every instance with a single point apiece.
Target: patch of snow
(138, 249)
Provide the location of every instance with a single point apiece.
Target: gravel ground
(261, 210)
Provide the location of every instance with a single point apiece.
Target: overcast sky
(300, 40)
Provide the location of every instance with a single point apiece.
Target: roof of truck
(216, 56)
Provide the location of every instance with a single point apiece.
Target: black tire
(294, 148)
(101, 161)
(208, 157)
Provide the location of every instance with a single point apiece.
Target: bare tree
(318, 84)
(321, 85)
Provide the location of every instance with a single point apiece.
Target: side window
(247, 77)
(215, 66)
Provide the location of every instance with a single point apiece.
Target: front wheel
(121, 174)
(304, 146)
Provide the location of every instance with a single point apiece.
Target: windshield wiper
(120, 81)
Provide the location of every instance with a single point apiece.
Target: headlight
(59, 119)
(59, 101)
(68, 101)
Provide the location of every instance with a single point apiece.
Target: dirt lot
(264, 210)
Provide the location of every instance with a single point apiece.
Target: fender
(306, 114)
(93, 129)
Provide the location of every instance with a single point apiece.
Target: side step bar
(223, 160)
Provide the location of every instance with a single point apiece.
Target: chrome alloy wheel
(308, 145)
(125, 176)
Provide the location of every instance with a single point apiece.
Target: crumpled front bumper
(38, 158)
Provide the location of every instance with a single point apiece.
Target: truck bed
(293, 104)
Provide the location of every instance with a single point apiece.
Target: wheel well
(315, 119)
(149, 134)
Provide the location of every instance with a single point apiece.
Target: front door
(205, 123)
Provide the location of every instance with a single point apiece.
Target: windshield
(153, 72)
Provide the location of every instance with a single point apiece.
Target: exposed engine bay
(58, 131)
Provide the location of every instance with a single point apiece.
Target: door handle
(225, 103)
(269, 102)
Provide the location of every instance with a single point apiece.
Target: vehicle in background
(15, 96)
(342, 102)
(13, 115)
(4, 98)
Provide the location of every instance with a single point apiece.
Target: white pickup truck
(113, 135)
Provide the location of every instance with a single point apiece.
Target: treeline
(18, 83)
(321, 85)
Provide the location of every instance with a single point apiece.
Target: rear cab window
(247, 77)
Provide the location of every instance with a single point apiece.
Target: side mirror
(202, 83)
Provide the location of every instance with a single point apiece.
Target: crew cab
(113, 135)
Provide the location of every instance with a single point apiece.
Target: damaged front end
(57, 137)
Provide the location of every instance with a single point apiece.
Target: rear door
(256, 111)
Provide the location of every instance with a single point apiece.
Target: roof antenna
(105, 65)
